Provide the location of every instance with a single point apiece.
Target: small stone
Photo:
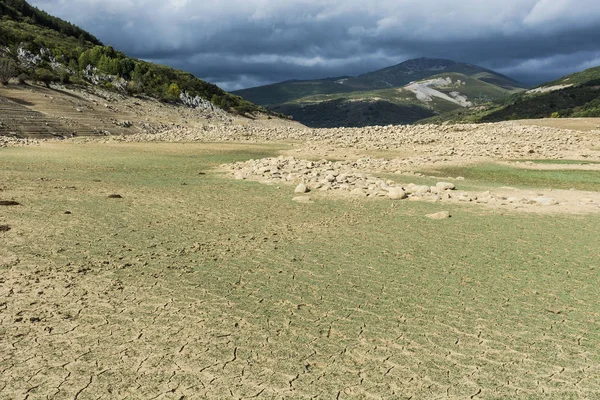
(545, 201)
(301, 189)
(439, 215)
(445, 186)
(397, 193)
(9, 203)
(421, 189)
(302, 199)
(358, 192)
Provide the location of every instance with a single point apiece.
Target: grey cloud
(243, 43)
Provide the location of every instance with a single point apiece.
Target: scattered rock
(545, 201)
(445, 186)
(115, 196)
(302, 199)
(9, 203)
(358, 193)
(397, 193)
(301, 189)
(439, 215)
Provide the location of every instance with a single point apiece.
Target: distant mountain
(36, 46)
(575, 95)
(401, 94)
(421, 68)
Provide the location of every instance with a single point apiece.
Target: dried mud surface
(210, 287)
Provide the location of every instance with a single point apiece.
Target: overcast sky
(244, 43)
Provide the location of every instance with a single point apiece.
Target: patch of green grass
(560, 162)
(502, 175)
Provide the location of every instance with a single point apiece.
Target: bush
(22, 78)
(65, 78)
(45, 75)
(8, 70)
(555, 114)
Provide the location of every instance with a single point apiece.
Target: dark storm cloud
(244, 43)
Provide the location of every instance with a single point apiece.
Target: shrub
(65, 77)
(22, 78)
(44, 75)
(555, 114)
(8, 70)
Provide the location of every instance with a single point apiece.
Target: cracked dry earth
(195, 285)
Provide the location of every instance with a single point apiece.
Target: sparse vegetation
(206, 289)
(75, 50)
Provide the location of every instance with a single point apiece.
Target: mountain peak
(426, 63)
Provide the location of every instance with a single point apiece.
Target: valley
(424, 231)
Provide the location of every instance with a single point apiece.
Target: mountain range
(400, 94)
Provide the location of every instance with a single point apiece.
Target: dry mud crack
(224, 289)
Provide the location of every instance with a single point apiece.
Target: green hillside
(572, 96)
(279, 93)
(399, 105)
(382, 97)
(39, 47)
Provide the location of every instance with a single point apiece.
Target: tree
(173, 92)
(84, 60)
(8, 70)
(126, 67)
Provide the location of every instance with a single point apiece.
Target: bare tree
(7, 70)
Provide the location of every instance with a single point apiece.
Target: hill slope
(401, 94)
(402, 105)
(575, 95)
(40, 47)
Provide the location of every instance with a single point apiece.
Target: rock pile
(345, 178)
(337, 177)
(7, 141)
(506, 140)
